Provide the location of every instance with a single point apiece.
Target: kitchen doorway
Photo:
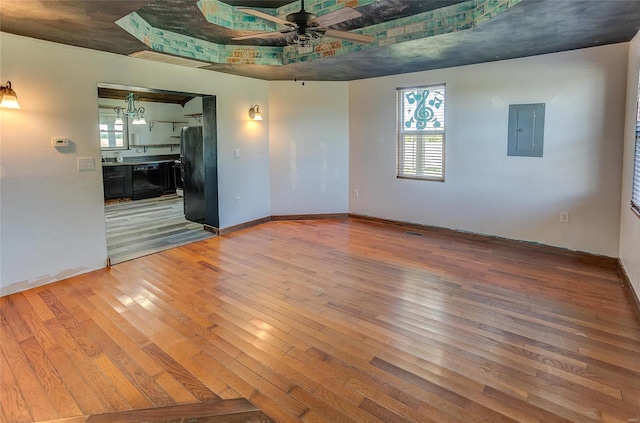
(140, 139)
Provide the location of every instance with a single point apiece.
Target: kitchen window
(421, 132)
(112, 136)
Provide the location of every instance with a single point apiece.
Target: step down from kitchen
(221, 411)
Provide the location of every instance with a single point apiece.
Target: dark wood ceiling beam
(145, 94)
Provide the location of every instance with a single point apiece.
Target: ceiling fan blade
(349, 36)
(265, 16)
(335, 17)
(268, 34)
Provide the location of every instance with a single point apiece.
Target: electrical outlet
(236, 153)
(237, 201)
(564, 217)
(355, 193)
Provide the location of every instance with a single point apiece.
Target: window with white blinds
(635, 190)
(421, 132)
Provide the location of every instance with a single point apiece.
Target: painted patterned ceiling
(386, 30)
(408, 35)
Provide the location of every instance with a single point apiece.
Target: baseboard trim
(492, 239)
(310, 216)
(211, 229)
(251, 223)
(245, 225)
(433, 230)
(628, 288)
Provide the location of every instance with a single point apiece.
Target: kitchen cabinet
(117, 181)
(139, 177)
(170, 183)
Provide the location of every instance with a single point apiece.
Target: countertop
(134, 161)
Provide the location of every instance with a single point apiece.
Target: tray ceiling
(410, 35)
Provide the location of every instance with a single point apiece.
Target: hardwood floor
(141, 227)
(331, 321)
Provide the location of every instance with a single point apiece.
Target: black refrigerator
(199, 167)
(192, 161)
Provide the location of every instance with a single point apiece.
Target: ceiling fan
(303, 27)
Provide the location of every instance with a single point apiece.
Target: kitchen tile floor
(138, 228)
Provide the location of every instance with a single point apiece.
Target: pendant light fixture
(137, 114)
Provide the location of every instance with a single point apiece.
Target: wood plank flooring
(220, 411)
(141, 227)
(331, 321)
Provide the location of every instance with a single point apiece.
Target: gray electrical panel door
(526, 130)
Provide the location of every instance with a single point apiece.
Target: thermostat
(59, 142)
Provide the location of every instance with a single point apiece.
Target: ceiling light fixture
(303, 40)
(8, 97)
(254, 113)
(132, 112)
(119, 120)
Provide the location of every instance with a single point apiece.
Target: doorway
(142, 174)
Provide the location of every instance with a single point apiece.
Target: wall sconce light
(8, 98)
(131, 112)
(254, 113)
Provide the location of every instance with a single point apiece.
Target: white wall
(52, 215)
(309, 147)
(629, 221)
(485, 191)
(319, 141)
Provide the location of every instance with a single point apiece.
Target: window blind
(421, 132)
(635, 185)
(635, 192)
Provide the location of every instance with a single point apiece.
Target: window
(635, 190)
(112, 135)
(421, 132)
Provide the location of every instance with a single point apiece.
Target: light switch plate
(86, 163)
(237, 153)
